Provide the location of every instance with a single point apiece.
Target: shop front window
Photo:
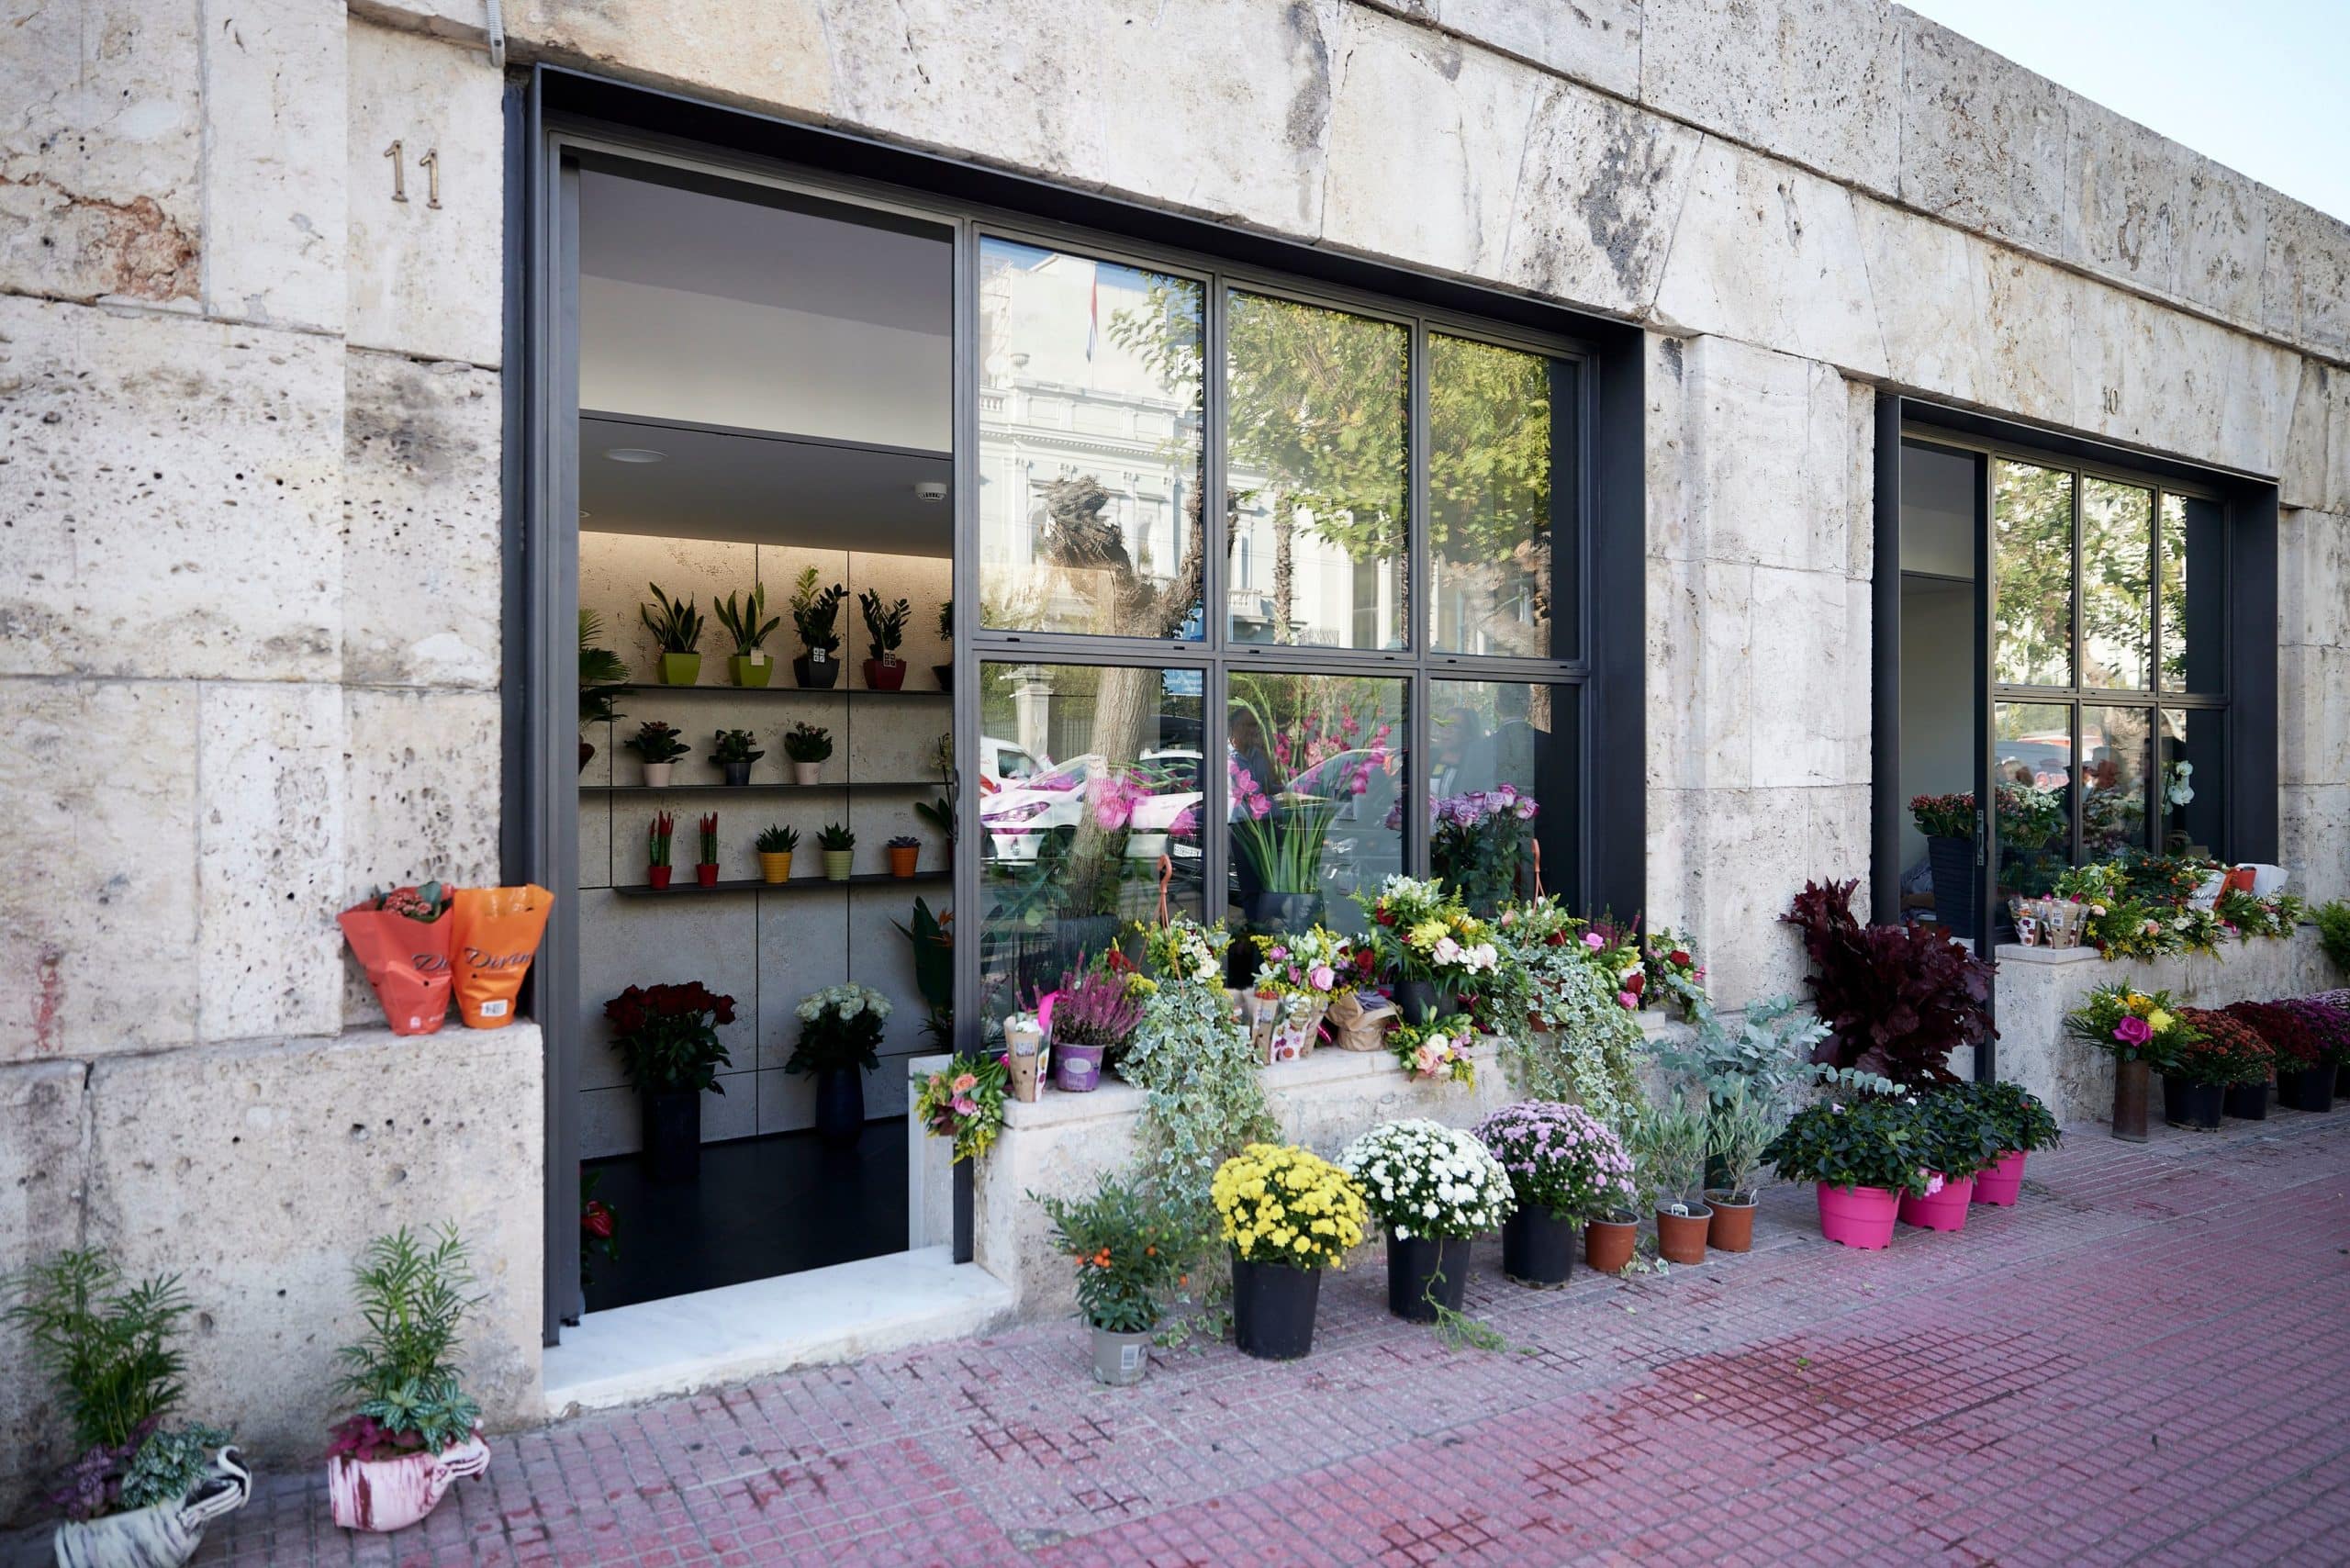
(1314, 768)
(1500, 802)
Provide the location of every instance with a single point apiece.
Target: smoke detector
(930, 490)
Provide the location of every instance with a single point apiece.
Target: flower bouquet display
(1131, 1251)
(1477, 843)
(666, 1036)
(1434, 1189)
(402, 939)
(1438, 1049)
(1301, 973)
(2140, 1030)
(1286, 1214)
(1567, 1169)
(964, 1102)
(1862, 1157)
(415, 1430)
(1429, 941)
(1026, 1056)
(840, 1033)
(1183, 949)
(1676, 980)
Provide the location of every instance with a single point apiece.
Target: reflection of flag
(1093, 313)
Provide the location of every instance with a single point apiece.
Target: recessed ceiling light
(930, 490)
(634, 455)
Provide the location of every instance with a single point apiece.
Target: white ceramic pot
(163, 1536)
(656, 774)
(807, 773)
(2267, 879)
(393, 1493)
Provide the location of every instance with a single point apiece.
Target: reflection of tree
(2117, 544)
(1489, 488)
(2031, 520)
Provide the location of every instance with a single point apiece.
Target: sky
(2262, 85)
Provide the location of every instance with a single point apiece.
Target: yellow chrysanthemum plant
(1289, 1206)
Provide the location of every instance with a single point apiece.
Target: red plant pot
(884, 675)
(658, 876)
(1946, 1210)
(706, 873)
(1861, 1217)
(2003, 1183)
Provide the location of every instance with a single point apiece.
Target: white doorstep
(738, 1332)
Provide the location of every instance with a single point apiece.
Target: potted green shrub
(1567, 1169)
(2025, 1126)
(657, 746)
(840, 1033)
(1669, 1156)
(657, 841)
(1130, 1249)
(905, 853)
(945, 672)
(1286, 1214)
(1962, 1137)
(775, 846)
(415, 1431)
(1739, 1126)
(1862, 1157)
(1434, 1189)
(839, 846)
(815, 616)
(807, 746)
(733, 753)
(666, 1036)
(140, 1491)
(885, 630)
(706, 868)
(749, 664)
(676, 632)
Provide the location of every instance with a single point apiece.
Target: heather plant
(1093, 1007)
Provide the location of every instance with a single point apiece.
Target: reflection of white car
(1017, 816)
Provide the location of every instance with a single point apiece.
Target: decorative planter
(1946, 1210)
(946, 674)
(2002, 1183)
(837, 864)
(1952, 864)
(1076, 1070)
(385, 1495)
(1608, 1244)
(751, 669)
(774, 867)
(736, 773)
(163, 1536)
(903, 858)
(680, 669)
(1732, 1229)
(1426, 1271)
(2248, 1102)
(966, 1207)
(657, 876)
(2311, 1089)
(706, 873)
(656, 774)
(1538, 1248)
(1858, 1216)
(672, 1137)
(884, 675)
(1145, 845)
(1120, 1359)
(2129, 1083)
(805, 774)
(1272, 1309)
(817, 668)
(1680, 1239)
(2188, 1104)
(1297, 1022)
(840, 1104)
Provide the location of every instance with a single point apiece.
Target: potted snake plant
(676, 632)
(750, 665)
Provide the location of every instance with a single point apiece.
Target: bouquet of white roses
(1423, 1179)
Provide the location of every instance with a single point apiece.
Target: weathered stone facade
(250, 436)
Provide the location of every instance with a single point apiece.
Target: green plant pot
(836, 862)
(751, 670)
(680, 669)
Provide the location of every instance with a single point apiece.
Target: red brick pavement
(2145, 1361)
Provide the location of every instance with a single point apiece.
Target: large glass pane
(2193, 805)
(1089, 775)
(2031, 769)
(1499, 538)
(2031, 555)
(1501, 772)
(2192, 531)
(1315, 474)
(2115, 761)
(1090, 443)
(2117, 561)
(1315, 764)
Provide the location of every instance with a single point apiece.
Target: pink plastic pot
(2002, 1182)
(1860, 1216)
(1946, 1210)
(393, 1493)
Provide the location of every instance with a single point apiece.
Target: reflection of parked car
(1017, 816)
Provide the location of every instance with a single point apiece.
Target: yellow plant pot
(775, 867)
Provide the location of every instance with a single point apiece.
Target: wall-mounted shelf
(761, 787)
(860, 691)
(755, 885)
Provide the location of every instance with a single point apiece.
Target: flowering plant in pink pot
(1862, 1157)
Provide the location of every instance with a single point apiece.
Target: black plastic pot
(1952, 864)
(672, 1129)
(2311, 1089)
(1422, 1272)
(2248, 1102)
(1283, 912)
(737, 772)
(946, 674)
(965, 1199)
(1272, 1309)
(2190, 1104)
(840, 1104)
(825, 673)
(1538, 1250)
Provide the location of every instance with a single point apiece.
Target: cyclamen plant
(1421, 1178)
(1561, 1158)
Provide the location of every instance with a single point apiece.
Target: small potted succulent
(1131, 1251)
(1963, 1136)
(675, 626)
(807, 745)
(1740, 1123)
(656, 848)
(657, 746)
(2245, 1095)
(945, 672)
(415, 1431)
(140, 1493)
(815, 616)
(706, 868)
(905, 851)
(840, 1033)
(885, 630)
(733, 753)
(666, 1036)
(1669, 1155)
(839, 846)
(1567, 1169)
(1434, 1189)
(750, 665)
(776, 845)
(1090, 1018)
(1286, 1214)
(1862, 1157)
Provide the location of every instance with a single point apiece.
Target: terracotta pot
(1608, 1244)
(1858, 1216)
(902, 857)
(1680, 1239)
(774, 866)
(1732, 1229)
(1945, 1210)
(2130, 1082)
(2000, 1185)
(706, 873)
(658, 876)
(884, 675)
(680, 669)
(162, 1536)
(386, 1494)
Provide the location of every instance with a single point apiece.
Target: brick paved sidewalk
(2146, 1361)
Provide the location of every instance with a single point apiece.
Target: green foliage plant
(1874, 1142)
(1192, 1060)
(815, 612)
(742, 622)
(404, 1373)
(600, 669)
(106, 1343)
(777, 840)
(676, 626)
(836, 836)
(934, 944)
(885, 624)
(2024, 1122)
(2334, 931)
(807, 742)
(1131, 1249)
(656, 743)
(734, 745)
(1739, 1126)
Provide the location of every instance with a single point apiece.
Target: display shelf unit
(758, 788)
(757, 885)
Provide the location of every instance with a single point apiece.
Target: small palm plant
(403, 1375)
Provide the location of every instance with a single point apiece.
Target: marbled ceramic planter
(163, 1536)
(393, 1493)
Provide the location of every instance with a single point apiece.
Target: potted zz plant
(776, 845)
(706, 868)
(656, 848)
(1130, 1250)
(807, 745)
(1567, 1169)
(816, 616)
(750, 665)
(840, 1031)
(885, 630)
(140, 1493)
(415, 1431)
(905, 851)
(657, 747)
(839, 846)
(1434, 1189)
(1669, 1152)
(666, 1036)
(733, 753)
(945, 672)
(676, 632)
(1286, 1214)
(1862, 1157)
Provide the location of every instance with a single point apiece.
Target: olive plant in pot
(1285, 1214)
(140, 1491)
(807, 745)
(657, 747)
(1668, 1145)
(1131, 1249)
(839, 846)
(1739, 1126)
(675, 626)
(840, 1031)
(1567, 1169)
(1861, 1156)
(1434, 1189)
(414, 1430)
(816, 616)
(733, 753)
(775, 846)
(2025, 1126)
(750, 665)
(885, 633)
(667, 1040)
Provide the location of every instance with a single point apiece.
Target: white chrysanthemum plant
(1424, 1179)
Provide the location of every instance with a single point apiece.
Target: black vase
(738, 773)
(2190, 1104)
(966, 1194)
(2248, 1102)
(1283, 912)
(1952, 862)
(1422, 1272)
(1272, 1309)
(672, 1127)
(1539, 1248)
(825, 673)
(2311, 1089)
(840, 1104)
